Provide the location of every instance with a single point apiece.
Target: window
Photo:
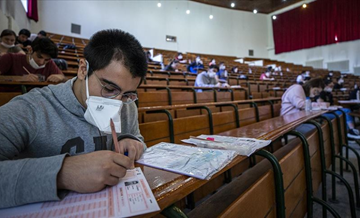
(25, 4)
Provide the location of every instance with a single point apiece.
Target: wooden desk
(350, 102)
(168, 188)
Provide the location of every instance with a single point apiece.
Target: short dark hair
(113, 44)
(7, 32)
(317, 82)
(214, 67)
(14, 49)
(45, 46)
(24, 32)
(42, 32)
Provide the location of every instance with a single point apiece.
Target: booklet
(131, 197)
(242, 146)
(200, 163)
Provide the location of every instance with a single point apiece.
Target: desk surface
(169, 188)
(349, 102)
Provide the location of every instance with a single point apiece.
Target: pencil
(113, 132)
(26, 70)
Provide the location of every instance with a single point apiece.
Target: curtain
(323, 22)
(32, 10)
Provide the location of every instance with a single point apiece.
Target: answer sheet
(132, 196)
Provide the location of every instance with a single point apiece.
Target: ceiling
(262, 6)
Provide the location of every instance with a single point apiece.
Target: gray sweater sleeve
(26, 180)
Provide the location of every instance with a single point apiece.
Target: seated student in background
(339, 82)
(266, 75)
(7, 38)
(303, 77)
(293, 100)
(196, 65)
(16, 50)
(41, 34)
(212, 62)
(207, 78)
(326, 96)
(51, 138)
(33, 64)
(222, 73)
(235, 70)
(23, 39)
(180, 58)
(173, 66)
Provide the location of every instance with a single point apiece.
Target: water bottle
(308, 104)
(358, 95)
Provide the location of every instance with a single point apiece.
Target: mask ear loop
(87, 79)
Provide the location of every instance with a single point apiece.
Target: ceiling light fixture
(255, 11)
(211, 16)
(188, 11)
(304, 5)
(274, 17)
(159, 5)
(232, 4)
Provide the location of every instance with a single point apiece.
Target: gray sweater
(37, 131)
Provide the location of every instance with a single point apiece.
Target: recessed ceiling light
(232, 4)
(255, 11)
(304, 5)
(211, 16)
(274, 17)
(159, 5)
(187, 11)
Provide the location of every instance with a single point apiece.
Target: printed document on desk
(200, 163)
(131, 197)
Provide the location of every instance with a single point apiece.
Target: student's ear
(82, 70)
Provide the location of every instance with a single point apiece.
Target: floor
(342, 207)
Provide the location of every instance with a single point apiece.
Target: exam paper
(132, 196)
(242, 146)
(200, 163)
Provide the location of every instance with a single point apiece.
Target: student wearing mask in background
(56, 138)
(41, 34)
(222, 73)
(212, 62)
(293, 100)
(339, 82)
(235, 70)
(196, 65)
(23, 39)
(35, 64)
(266, 75)
(207, 78)
(8, 38)
(180, 58)
(173, 66)
(326, 96)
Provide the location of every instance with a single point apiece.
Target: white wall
(329, 53)
(14, 10)
(229, 33)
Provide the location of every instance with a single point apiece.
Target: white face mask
(341, 81)
(100, 110)
(222, 67)
(180, 57)
(34, 64)
(213, 62)
(198, 60)
(328, 89)
(235, 70)
(212, 74)
(6, 45)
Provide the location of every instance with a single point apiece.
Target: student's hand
(93, 171)
(55, 78)
(133, 147)
(226, 85)
(30, 77)
(218, 85)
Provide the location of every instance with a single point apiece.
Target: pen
(26, 70)
(116, 142)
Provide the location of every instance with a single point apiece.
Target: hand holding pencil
(30, 77)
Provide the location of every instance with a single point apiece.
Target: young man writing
(59, 138)
(34, 64)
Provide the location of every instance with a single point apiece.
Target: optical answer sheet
(131, 197)
(201, 163)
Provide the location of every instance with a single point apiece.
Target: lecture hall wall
(230, 32)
